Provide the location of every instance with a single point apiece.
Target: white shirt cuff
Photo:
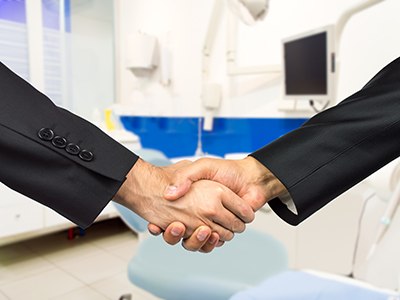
(288, 201)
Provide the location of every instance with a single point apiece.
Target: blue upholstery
(170, 272)
(298, 285)
(132, 220)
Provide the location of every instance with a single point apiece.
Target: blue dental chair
(172, 273)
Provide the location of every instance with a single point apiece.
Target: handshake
(203, 202)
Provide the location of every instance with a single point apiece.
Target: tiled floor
(92, 267)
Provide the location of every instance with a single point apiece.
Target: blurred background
(183, 79)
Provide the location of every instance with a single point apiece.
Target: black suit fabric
(74, 187)
(337, 148)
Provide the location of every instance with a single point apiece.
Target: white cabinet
(51, 218)
(21, 217)
(18, 213)
(9, 197)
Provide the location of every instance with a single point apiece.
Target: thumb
(178, 188)
(185, 176)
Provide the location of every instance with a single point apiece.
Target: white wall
(369, 42)
(92, 56)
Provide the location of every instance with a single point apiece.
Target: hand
(203, 239)
(247, 177)
(207, 203)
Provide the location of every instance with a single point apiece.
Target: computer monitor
(309, 65)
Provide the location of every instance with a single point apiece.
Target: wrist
(136, 192)
(123, 195)
(271, 186)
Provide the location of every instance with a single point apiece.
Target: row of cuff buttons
(46, 134)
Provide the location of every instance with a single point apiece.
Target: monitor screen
(305, 63)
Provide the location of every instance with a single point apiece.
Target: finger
(227, 222)
(222, 214)
(174, 233)
(170, 191)
(197, 240)
(224, 234)
(238, 207)
(211, 243)
(220, 243)
(154, 229)
(185, 176)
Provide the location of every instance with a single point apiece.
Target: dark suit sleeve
(337, 148)
(76, 186)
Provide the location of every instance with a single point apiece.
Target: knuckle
(238, 226)
(204, 162)
(189, 247)
(253, 217)
(177, 174)
(245, 212)
(211, 212)
(186, 164)
(201, 160)
(219, 190)
(227, 236)
(248, 214)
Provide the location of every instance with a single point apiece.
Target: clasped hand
(204, 202)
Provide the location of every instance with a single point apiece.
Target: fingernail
(202, 235)
(176, 231)
(212, 240)
(171, 189)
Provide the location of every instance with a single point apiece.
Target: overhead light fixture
(249, 11)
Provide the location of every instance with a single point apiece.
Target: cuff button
(86, 155)
(72, 149)
(46, 134)
(59, 142)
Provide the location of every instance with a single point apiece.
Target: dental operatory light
(249, 11)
